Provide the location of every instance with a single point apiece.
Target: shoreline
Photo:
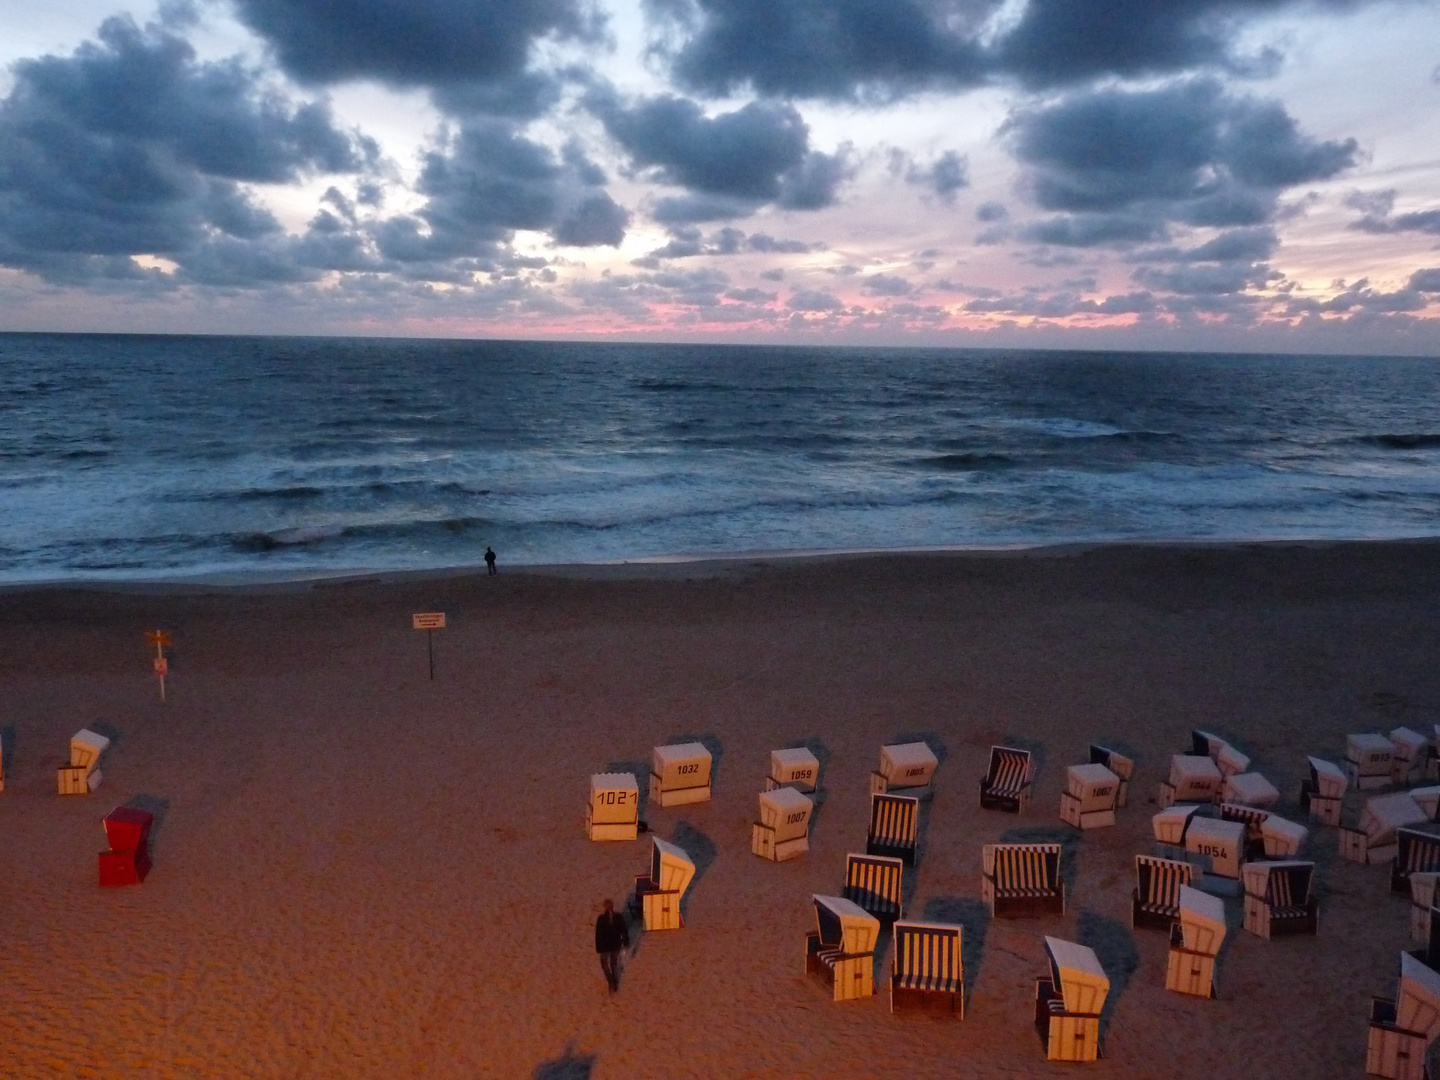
(667, 567)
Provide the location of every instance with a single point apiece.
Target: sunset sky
(1199, 174)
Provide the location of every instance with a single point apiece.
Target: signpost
(429, 621)
(160, 638)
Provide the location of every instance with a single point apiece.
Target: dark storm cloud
(1212, 279)
(1360, 298)
(868, 50)
(1427, 280)
(946, 175)
(1377, 208)
(133, 146)
(1122, 164)
(887, 285)
(688, 241)
(1038, 304)
(412, 42)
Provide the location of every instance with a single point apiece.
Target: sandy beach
(361, 873)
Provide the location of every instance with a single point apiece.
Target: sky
(1237, 175)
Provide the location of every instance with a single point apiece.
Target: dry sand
(361, 873)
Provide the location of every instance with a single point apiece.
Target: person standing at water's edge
(490, 559)
(612, 937)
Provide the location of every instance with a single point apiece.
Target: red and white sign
(428, 620)
(162, 666)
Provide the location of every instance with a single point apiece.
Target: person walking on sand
(612, 937)
(490, 559)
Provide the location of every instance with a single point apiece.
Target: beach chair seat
(680, 774)
(77, 779)
(894, 827)
(1416, 851)
(658, 893)
(1088, 801)
(1409, 752)
(1122, 766)
(613, 812)
(840, 951)
(1195, 940)
(876, 884)
(1323, 792)
(1369, 760)
(1278, 898)
(926, 971)
(796, 767)
(1006, 785)
(1156, 899)
(1403, 1027)
(783, 831)
(1193, 778)
(1022, 879)
(1068, 1004)
(908, 767)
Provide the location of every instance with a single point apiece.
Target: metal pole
(430, 647)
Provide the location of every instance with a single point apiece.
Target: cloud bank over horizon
(1153, 173)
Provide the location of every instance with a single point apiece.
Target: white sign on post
(429, 621)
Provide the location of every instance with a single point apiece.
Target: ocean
(136, 457)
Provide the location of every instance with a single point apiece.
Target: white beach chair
(1429, 800)
(1323, 793)
(1169, 827)
(1195, 940)
(783, 831)
(1410, 752)
(1373, 840)
(1368, 760)
(1422, 900)
(1006, 785)
(1249, 789)
(1279, 898)
(82, 774)
(1068, 1004)
(1217, 847)
(1156, 899)
(796, 767)
(1253, 818)
(1205, 744)
(876, 884)
(1192, 779)
(840, 951)
(680, 774)
(1231, 762)
(905, 767)
(1281, 838)
(894, 827)
(658, 893)
(1122, 766)
(1088, 801)
(926, 970)
(1403, 1027)
(86, 747)
(1022, 879)
(613, 812)
(1416, 851)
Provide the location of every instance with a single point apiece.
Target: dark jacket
(611, 932)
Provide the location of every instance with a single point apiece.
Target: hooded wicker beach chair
(1195, 940)
(840, 951)
(1415, 851)
(1403, 1027)
(1373, 839)
(1022, 879)
(894, 827)
(658, 893)
(1322, 793)
(1006, 786)
(905, 767)
(1122, 766)
(1279, 898)
(1068, 1004)
(925, 967)
(1156, 899)
(876, 884)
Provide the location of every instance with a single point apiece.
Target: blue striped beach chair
(840, 951)
(1022, 879)
(926, 971)
(1156, 899)
(894, 827)
(1006, 786)
(876, 884)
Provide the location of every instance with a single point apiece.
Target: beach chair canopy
(1191, 774)
(1406, 744)
(1169, 825)
(1078, 976)
(1222, 842)
(786, 811)
(1094, 785)
(1383, 814)
(1202, 920)
(1231, 761)
(1370, 753)
(127, 828)
(1417, 999)
(86, 746)
(1263, 879)
(1204, 744)
(1116, 762)
(908, 764)
(1282, 837)
(1251, 789)
(1327, 779)
(844, 924)
(1429, 800)
(795, 766)
(670, 868)
(681, 765)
